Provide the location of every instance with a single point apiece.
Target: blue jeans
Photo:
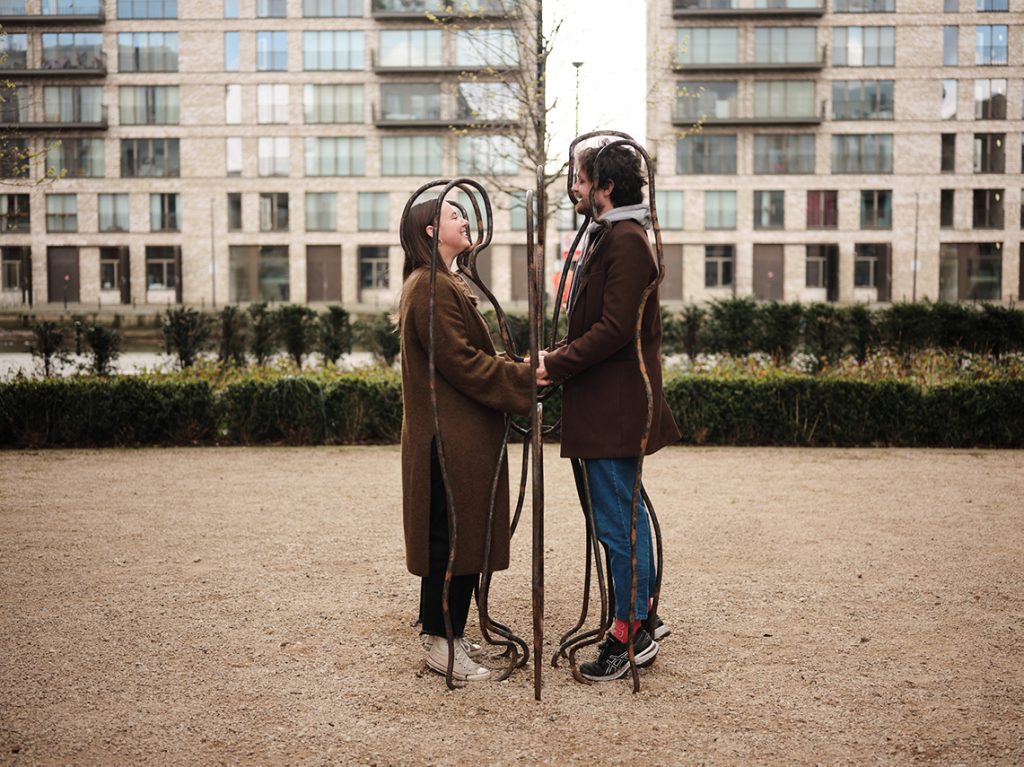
(611, 493)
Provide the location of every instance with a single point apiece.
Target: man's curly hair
(619, 164)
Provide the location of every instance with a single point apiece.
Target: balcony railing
(435, 68)
(27, 123)
(405, 10)
(690, 9)
(78, 65)
(688, 120)
(52, 13)
(437, 120)
(754, 66)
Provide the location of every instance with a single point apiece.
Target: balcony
(728, 9)
(433, 119)
(438, 68)
(22, 121)
(755, 66)
(443, 10)
(688, 121)
(13, 13)
(83, 64)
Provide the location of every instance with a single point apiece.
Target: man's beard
(583, 207)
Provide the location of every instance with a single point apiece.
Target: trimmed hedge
(367, 407)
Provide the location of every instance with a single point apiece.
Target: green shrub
(262, 336)
(825, 334)
(105, 348)
(380, 337)
(48, 346)
(232, 337)
(778, 329)
(731, 326)
(186, 333)
(296, 327)
(334, 334)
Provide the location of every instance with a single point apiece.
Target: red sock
(620, 632)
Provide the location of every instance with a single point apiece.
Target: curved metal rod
(522, 486)
(659, 560)
(576, 470)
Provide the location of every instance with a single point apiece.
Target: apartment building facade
(863, 150)
(229, 151)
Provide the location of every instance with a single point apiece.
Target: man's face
(581, 190)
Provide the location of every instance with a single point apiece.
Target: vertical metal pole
(213, 262)
(917, 210)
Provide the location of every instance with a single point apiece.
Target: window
(14, 213)
(273, 211)
(161, 267)
(150, 105)
(272, 51)
(493, 155)
(232, 51)
(14, 157)
(868, 153)
(670, 209)
(333, 50)
(147, 9)
(970, 271)
(233, 156)
(483, 47)
(61, 213)
(272, 103)
(487, 101)
(75, 157)
(373, 211)
(784, 153)
(990, 44)
(946, 208)
(72, 50)
(337, 156)
(951, 6)
(231, 9)
(332, 103)
(113, 210)
(870, 266)
(707, 45)
(258, 273)
(331, 8)
(274, 154)
(410, 101)
(147, 51)
(988, 208)
(819, 262)
(15, 105)
(320, 211)
(876, 209)
(14, 51)
(164, 212)
(865, 6)
(410, 155)
(706, 99)
(822, 209)
(410, 47)
(373, 267)
(948, 162)
(719, 210)
(990, 99)
(862, 99)
(234, 211)
(271, 9)
(70, 103)
(785, 45)
(516, 213)
(110, 268)
(950, 41)
(708, 154)
(863, 46)
(718, 263)
(784, 98)
(947, 107)
(989, 152)
(769, 210)
(12, 277)
(150, 157)
(232, 104)
(992, 6)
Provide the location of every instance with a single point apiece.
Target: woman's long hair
(414, 234)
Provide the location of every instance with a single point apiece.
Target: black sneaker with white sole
(661, 630)
(613, 659)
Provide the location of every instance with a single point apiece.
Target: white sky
(608, 36)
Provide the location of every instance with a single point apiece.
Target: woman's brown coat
(474, 388)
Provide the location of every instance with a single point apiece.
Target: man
(604, 401)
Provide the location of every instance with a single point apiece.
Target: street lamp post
(577, 64)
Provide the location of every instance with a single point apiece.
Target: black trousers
(460, 594)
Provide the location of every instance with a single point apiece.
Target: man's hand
(542, 373)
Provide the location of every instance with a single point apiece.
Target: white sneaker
(473, 650)
(465, 668)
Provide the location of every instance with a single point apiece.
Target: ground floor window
(14, 265)
(161, 267)
(259, 273)
(718, 265)
(373, 267)
(871, 264)
(970, 271)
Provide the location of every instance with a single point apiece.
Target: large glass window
(947, 107)
(784, 98)
(147, 9)
(410, 101)
(864, 6)
(670, 209)
(487, 101)
(706, 99)
(72, 103)
(822, 209)
(947, 208)
(14, 213)
(992, 6)
(147, 51)
(233, 156)
(868, 153)
(871, 267)
(862, 99)
(75, 157)
(493, 155)
(150, 105)
(719, 210)
(113, 213)
(232, 51)
(988, 209)
(258, 273)
(321, 210)
(707, 45)
(331, 8)
(15, 105)
(970, 271)
(785, 45)
(718, 265)
(484, 47)
(819, 261)
(706, 154)
(373, 267)
(990, 99)
(863, 46)
(332, 103)
(769, 209)
(14, 51)
(273, 211)
(333, 50)
(234, 211)
(14, 158)
(150, 157)
(950, 41)
(233, 104)
(72, 50)
(271, 9)
(162, 267)
(989, 152)
(231, 9)
(410, 47)
(335, 156)
(948, 153)
(876, 209)
(990, 44)
(274, 155)
(410, 155)
(12, 275)
(165, 212)
(784, 153)
(61, 213)
(272, 103)
(272, 51)
(373, 211)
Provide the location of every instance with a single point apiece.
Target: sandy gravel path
(231, 605)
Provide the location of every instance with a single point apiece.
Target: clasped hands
(542, 373)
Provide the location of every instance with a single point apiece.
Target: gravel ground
(205, 606)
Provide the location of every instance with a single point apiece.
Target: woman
(474, 388)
